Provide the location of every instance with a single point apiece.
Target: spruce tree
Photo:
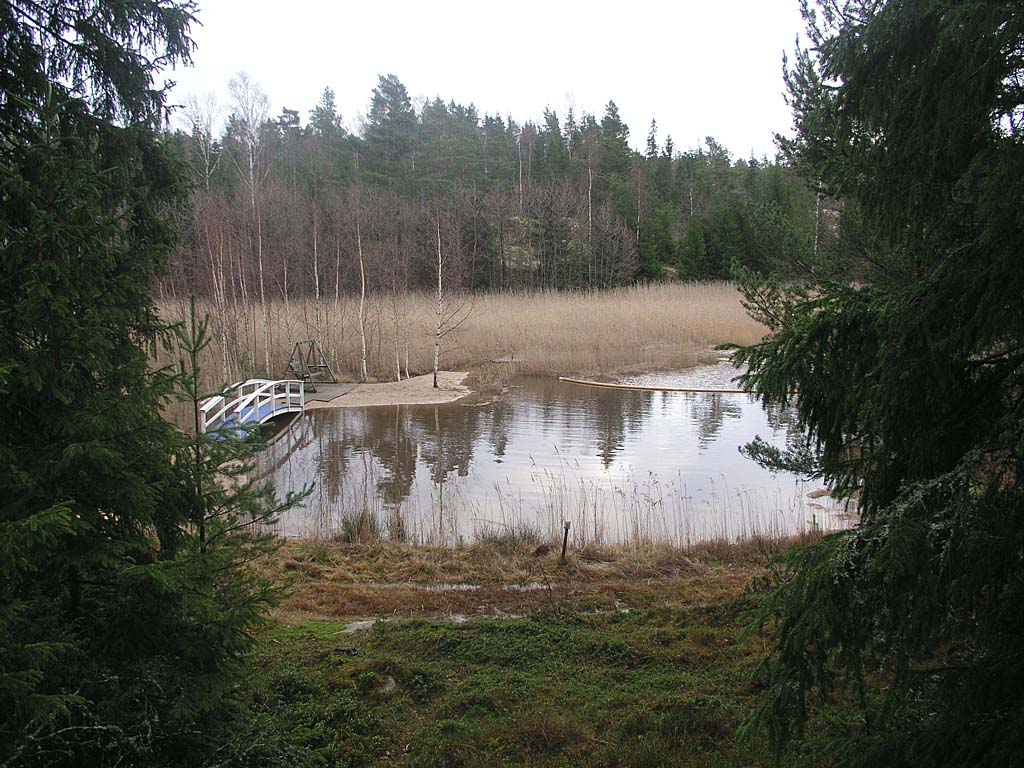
(123, 604)
(613, 148)
(324, 120)
(693, 252)
(909, 363)
(652, 141)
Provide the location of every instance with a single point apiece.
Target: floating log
(607, 385)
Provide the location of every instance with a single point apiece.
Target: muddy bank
(329, 581)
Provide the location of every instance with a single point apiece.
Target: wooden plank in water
(608, 385)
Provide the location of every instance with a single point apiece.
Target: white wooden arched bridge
(255, 401)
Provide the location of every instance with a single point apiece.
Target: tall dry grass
(661, 326)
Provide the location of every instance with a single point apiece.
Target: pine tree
(390, 134)
(910, 371)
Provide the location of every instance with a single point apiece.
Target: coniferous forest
(563, 203)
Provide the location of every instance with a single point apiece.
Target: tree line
(283, 209)
(565, 203)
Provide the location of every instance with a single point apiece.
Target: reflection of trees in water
(609, 414)
(332, 460)
(293, 460)
(366, 460)
(294, 437)
(787, 419)
(780, 417)
(502, 414)
(446, 435)
(709, 413)
(390, 441)
(613, 415)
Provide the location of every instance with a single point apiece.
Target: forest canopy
(560, 203)
(294, 222)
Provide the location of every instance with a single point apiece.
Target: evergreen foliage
(390, 133)
(124, 607)
(553, 204)
(908, 357)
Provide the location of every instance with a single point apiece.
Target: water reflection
(619, 464)
(709, 413)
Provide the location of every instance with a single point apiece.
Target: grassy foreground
(633, 659)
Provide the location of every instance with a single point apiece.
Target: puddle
(446, 587)
(358, 626)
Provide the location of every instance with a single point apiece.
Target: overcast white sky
(700, 67)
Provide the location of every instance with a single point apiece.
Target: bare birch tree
(318, 307)
(250, 108)
(449, 314)
(362, 293)
(202, 115)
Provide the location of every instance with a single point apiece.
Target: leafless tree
(202, 115)
(362, 286)
(452, 309)
(250, 107)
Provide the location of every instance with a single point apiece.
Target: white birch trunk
(263, 295)
(362, 302)
(316, 280)
(406, 334)
(520, 146)
(397, 327)
(590, 222)
(440, 305)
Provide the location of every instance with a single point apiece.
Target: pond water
(618, 465)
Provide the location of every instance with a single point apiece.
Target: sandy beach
(419, 390)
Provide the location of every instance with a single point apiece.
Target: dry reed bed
(501, 577)
(514, 561)
(660, 326)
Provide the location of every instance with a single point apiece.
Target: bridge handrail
(265, 390)
(267, 386)
(213, 400)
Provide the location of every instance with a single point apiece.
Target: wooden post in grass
(565, 538)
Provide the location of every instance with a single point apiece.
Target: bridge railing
(255, 400)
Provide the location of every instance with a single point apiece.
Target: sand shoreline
(418, 390)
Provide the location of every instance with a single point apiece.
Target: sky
(699, 67)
